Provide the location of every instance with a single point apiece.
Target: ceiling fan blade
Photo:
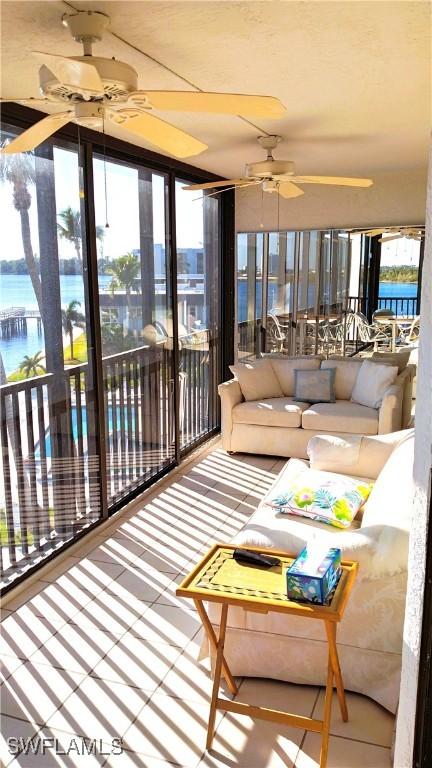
(221, 103)
(25, 100)
(214, 184)
(72, 72)
(388, 239)
(163, 135)
(37, 133)
(337, 180)
(287, 189)
(228, 189)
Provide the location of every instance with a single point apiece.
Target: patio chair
(277, 331)
(370, 333)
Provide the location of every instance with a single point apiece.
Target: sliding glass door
(109, 336)
(51, 489)
(198, 312)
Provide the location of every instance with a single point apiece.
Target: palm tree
(69, 228)
(18, 170)
(31, 364)
(125, 271)
(71, 318)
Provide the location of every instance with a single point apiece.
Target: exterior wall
(395, 198)
(422, 470)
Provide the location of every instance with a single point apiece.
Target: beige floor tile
(15, 731)
(121, 551)
(136, 662)
(23, 632)
(255, 743)
(58, 570)
(25, 595)
(99, 709)
(35, 691)
(89, 575)
(171, 730)
(134, 760)
(59, 603)
(140, 583)
(110, 613)
(367, 720)
(56, 749)
(74, 649)
(190, 679)
(8, 665)
(167, 624)
(343, 753)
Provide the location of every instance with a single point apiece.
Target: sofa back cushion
(284, 368)
(257, 379)
(390, 502)
(346, 370)
(401, 358)
(371, 383)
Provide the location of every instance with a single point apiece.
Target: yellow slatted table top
(221, 579)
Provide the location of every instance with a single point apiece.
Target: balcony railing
(51, 463)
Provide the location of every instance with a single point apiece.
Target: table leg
(327, 714)
(217, 675)
(331, 637)
(214, 643)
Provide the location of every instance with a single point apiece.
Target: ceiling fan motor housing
(118, 80)
(270, 169)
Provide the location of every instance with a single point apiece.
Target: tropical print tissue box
(324, 496)
(313, 576)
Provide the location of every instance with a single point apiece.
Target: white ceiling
(355, 76)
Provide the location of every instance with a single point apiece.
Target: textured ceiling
(354, 76)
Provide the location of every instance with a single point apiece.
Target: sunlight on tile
(35, 691)
(137, 662)
(343, 753)
(11, 728)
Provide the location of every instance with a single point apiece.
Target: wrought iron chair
(277, 331)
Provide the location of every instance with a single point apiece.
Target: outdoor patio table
(221, 579)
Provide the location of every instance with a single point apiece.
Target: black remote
(247, 557)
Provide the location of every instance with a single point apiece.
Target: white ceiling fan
(278, 175)
(95, 89)
(409, 231)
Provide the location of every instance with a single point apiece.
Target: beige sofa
(282, 427)
(369, 638)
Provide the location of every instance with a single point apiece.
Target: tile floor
(101, 647)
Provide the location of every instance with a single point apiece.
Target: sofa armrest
(230, 395)
(329, 453)
(390, 412)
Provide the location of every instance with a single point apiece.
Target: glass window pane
(136, 323)
(50, 468)
(198, 308)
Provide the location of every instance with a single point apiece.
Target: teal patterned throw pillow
(328, 498)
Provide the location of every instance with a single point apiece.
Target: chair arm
(230, 395)
(329, 453)
(390, 412)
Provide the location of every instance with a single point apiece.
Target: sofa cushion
(400, 358)
(346, 370)
(257, 379)
(284, 368)
(372, 381)
(341, 416)
(272, 412)
(314, 386)
(390, 502)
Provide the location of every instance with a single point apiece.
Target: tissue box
(313, 576)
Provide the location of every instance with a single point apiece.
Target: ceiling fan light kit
(96, 88)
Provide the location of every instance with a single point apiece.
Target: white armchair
(370, 636)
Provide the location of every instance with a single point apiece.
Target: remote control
(247, 557)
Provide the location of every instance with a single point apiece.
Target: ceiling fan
(278, 175)
(409, 231)
(95, 89)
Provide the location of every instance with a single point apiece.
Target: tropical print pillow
(328, 498)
